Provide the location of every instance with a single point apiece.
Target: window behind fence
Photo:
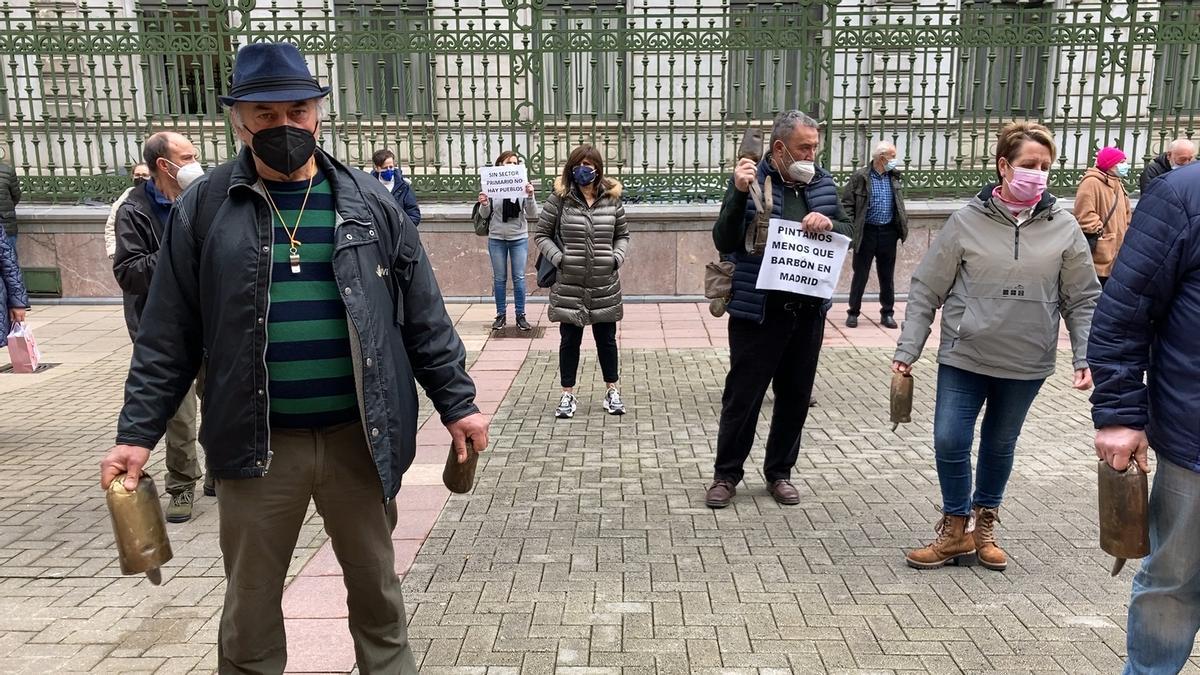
(379, 78)
(1006, 75)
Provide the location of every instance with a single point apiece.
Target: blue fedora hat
(271, 73)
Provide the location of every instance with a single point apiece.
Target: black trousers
(879, 245)
(571, 336)
(781, 352)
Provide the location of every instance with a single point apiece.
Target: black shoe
(851, 321)
(888, 322)
(210, 490)
(522, 324)
(499, 323)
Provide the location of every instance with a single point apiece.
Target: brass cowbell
(141, 532)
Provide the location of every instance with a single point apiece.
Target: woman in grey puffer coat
(582, 232)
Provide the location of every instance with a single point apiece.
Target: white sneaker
(612, 402)
(566, 406)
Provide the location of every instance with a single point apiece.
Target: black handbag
(547, 273)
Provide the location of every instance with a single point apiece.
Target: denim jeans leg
(1164, 610)
(518, 253)
(960, 396)
(1008, 403)
(498, 252)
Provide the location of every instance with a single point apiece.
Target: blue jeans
(960, 396)
(1164, 610)
(505, 254)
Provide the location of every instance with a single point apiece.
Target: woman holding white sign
(582, 232)
(507, 230)
(1001, 271)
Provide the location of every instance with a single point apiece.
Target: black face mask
(140, 180)
(285, 149)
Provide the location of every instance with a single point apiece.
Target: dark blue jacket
(403, 194)
(12, 291)
(1148, 321)
(738, 213)
(209, 299)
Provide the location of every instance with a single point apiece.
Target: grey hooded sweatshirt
(1002, 288)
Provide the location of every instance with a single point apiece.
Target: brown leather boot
(953, 546)
(991, 556)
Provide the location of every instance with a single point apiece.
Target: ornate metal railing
(665, 87)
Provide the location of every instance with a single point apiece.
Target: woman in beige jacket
(1102, 208)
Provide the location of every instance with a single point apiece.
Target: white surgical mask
(1123, 169)
(892, 164)
(187, 174)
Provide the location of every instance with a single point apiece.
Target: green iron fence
(664, 87)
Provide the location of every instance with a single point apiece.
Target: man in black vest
(138, 228)
(774, 336)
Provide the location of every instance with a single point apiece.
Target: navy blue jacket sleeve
(406, 200)
(17, 296)
(1135, 301)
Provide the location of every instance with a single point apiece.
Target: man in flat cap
(306, 295)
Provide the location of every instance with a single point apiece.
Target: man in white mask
(140, 223)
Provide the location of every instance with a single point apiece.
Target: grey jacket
(1002, 288)
(595, 241)
(856, 201)
(10, 196)
(514, 229)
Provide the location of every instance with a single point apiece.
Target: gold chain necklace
(294, 251)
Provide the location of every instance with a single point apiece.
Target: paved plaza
(586, 546)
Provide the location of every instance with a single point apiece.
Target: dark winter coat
(595, 242)
(405, 199)
(12, 291)
(10, 196)
(210, 299)
(1156, 167)
(139, 233)
(1148, 321)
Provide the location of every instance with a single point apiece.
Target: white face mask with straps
(800, 171)
(187, 174)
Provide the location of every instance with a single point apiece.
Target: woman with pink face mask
(1003, 271)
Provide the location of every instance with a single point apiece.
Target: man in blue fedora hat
(307, 296)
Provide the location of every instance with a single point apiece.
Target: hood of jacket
(609, 187)
(1108, 178)
(985, 199)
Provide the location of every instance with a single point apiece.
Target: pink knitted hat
(1109, 157)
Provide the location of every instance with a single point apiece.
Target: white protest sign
(504, 182)
(806, 263)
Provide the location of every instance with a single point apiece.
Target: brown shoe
(953, 546)
(991, 556)
(784, 492)
(719, 494)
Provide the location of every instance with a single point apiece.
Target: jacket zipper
(1017, 242)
